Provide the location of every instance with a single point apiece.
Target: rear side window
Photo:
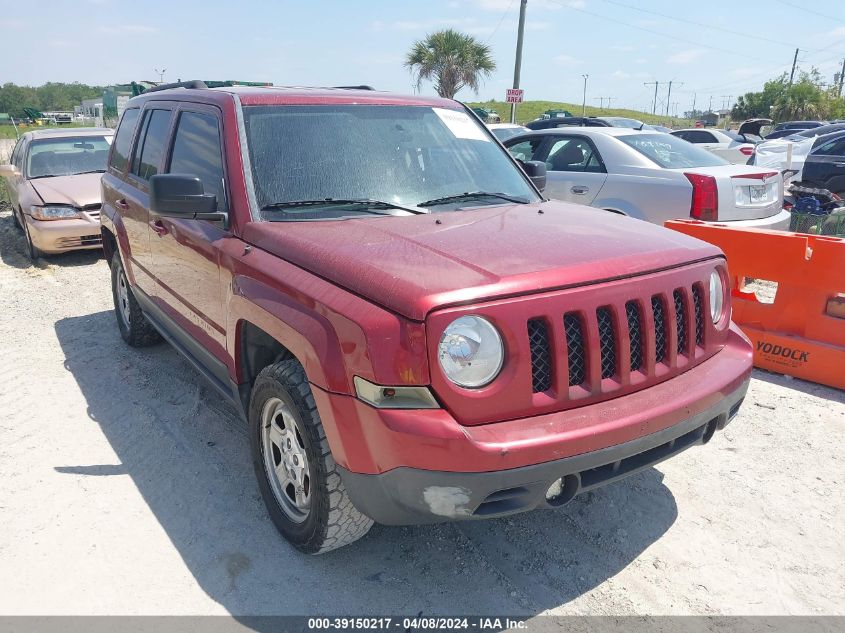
(123, 139)
(835, 147)
(526, 149)
(197, 152)
(151, 143)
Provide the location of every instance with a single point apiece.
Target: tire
(133, 325)
(317, 515)
(31, 250)
(17, 220)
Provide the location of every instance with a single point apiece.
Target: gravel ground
(127, 489)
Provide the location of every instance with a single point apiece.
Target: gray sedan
(652, 176)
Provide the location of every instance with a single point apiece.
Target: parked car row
(410, 329)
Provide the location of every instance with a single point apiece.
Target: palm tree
(451, 60)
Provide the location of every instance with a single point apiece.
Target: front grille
(75, 242)
(607, 337)
(699, 314)
(659, 314)
(607, 342)
(541, 355)
(575, 352)
(635, 334)
(680, 320)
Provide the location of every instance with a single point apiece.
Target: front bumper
(407, 496)
(58, 236)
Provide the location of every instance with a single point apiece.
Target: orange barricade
(802, 333)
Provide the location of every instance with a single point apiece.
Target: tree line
(52, 96)
(808, 98)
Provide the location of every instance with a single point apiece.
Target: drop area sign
(514, 95)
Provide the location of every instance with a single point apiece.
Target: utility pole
(584, 103)
(601, 101)
(726, 101)
(160, 74)
(669, 93)
(794, 61)
(654, 104)
(710, 107)
(693, 104)
(841, 77)
(518, 63)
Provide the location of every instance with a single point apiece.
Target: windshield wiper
(471, 195)
(336, 202)
(92, 171)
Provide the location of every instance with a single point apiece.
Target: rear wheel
(296, 473)
(133, 325)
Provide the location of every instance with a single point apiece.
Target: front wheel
(296, 473)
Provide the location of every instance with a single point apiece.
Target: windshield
(670, 151)
(402, 155)
(504, 133)
(67, 156)
(819, 131)
(618, 121)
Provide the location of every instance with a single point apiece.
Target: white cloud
(620, 74)
(126, 28)
(640, 60)
(503, 5)
(838, 32)
(743, 73)
(566, 60)
(685, 57)
(622, 49)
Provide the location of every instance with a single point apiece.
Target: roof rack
(196, 84)
(361, 87)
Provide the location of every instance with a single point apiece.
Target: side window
(832, 148)
(573, 154)
(526, 149)
(123, 139)
(151, 142)
(197, 151)
(14, 158)
(683, 135)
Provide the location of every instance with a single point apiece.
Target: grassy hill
(530, 110)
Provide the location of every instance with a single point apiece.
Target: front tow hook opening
(563, 490)
(710, 431)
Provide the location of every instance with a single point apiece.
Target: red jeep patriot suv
(412, 331)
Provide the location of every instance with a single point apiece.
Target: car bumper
(58, 236)
(778, 222)
(407, 496)
(403, 466)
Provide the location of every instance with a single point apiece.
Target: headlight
(54, 213)
(717, 296)
(471, 352)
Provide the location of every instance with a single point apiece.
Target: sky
(714, 49)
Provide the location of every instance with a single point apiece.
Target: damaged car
(53, 181)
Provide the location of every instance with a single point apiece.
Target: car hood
(415, 264)
(78, 191)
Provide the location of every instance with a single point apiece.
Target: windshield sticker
(108, 139)
(460, 124)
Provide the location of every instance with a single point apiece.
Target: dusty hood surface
(413, 265)
(77, 191)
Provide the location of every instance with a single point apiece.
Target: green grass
(8, 131)
(530, 110)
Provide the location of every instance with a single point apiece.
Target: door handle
(122, 204)
(579, 189)
(839, 164)
(159, 228)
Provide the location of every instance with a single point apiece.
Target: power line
(744, 35)
(661, 34)
(805, 9)
(502, 19)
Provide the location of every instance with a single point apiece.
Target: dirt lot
(126, 487)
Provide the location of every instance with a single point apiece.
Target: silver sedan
(652, 176)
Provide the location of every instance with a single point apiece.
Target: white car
(726, 144)
(652, 176)
(504, 131)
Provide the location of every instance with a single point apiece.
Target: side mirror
(536, 171)
(8, 170)
(182, 196)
